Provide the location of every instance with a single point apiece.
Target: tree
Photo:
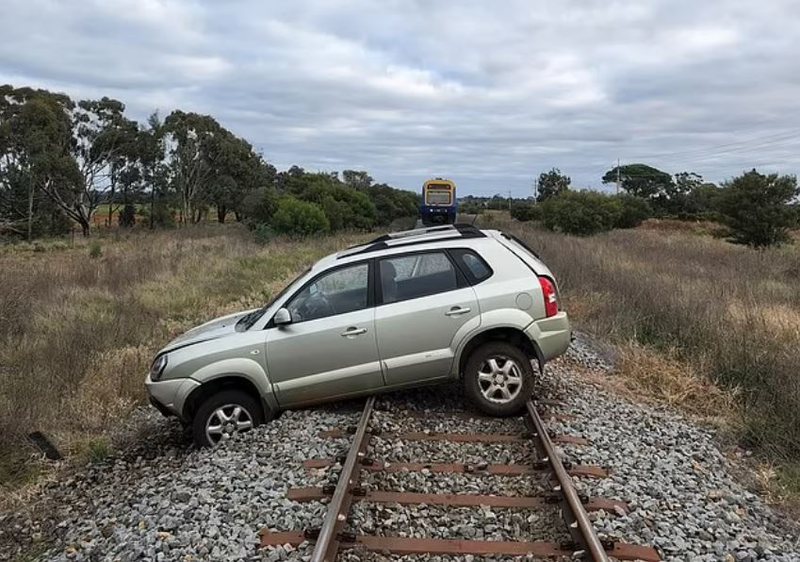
(756, 207)
(189, 139)
(101, 137)
(551, 184)
(640, 180)
(35, 137)
(150, 153)
(357, 179)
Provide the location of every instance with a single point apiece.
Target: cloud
(489, 94)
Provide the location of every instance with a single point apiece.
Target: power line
(731, 146)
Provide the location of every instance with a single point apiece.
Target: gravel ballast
(161, 500)
(685, 500)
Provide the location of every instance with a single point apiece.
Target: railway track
(582, 542)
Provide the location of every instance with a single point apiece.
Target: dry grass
(77, 333)
(662, 378)
(726, 315)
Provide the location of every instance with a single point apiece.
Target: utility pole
(618, 182)
(535, 189)
(509, 200)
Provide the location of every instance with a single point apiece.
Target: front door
(424, 302)
(328, 350)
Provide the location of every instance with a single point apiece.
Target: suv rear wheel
(498, 378)
(223, 415)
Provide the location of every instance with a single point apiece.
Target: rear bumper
(551, 335)
(168, 396)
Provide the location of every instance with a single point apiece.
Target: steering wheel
(317, 306)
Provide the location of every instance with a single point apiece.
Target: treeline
(61, 160)
(759, 209)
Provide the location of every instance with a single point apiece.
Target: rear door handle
(353, 332)
(457, 311)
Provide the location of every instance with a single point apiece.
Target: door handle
(457, 311)
(353, 332)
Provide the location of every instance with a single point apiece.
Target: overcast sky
(487, 93)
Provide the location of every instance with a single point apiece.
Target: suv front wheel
(223, 415)
(498, 379)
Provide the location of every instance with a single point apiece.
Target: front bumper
(551, 335)
(168, 396)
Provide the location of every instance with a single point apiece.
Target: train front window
(437, 196)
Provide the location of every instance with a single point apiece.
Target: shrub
(299, 218)
(95, 250)
(635, 210)
(526, 212)
(127, 218)
(581, 212)
(163, 216)
(259, 205)
(263, 233)
(756, 208)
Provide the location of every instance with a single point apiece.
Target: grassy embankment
(692, 314)
(77, 333)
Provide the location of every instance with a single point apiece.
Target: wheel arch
(508, 334)
(227, 381)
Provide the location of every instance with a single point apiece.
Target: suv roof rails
(415, 236)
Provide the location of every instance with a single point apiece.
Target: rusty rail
(328, 541)
(330, 538)
(572, 509)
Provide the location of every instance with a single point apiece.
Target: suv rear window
(473, 266)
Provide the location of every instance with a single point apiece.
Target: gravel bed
(443, 421)
(189, 504)
(433, 483)
(397, 450)
(159, 499)
(472, 523)
(685, 500)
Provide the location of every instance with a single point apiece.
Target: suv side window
(473, 266)
(342, 290)
(416, 275)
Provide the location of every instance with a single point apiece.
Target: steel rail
(327, 544)
(576, 516)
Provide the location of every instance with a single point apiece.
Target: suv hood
(211, 330)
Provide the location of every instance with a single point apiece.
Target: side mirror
(282, 317)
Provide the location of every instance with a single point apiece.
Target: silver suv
(410, 308)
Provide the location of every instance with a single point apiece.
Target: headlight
(157, 369)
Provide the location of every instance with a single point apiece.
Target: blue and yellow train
(439, 205)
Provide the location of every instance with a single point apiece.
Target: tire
(490, 377)
(213, 411)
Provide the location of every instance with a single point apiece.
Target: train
(439, 204)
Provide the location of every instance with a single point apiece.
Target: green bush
(756, 208)
(524, 212)
(163, 216)
(299, 218)
(259, 205)
(95, 250)
(127, 218)
(263, 233)
(581, 212)
(635, 210)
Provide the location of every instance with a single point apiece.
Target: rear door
(423, 301)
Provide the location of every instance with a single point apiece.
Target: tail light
(550, 296)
